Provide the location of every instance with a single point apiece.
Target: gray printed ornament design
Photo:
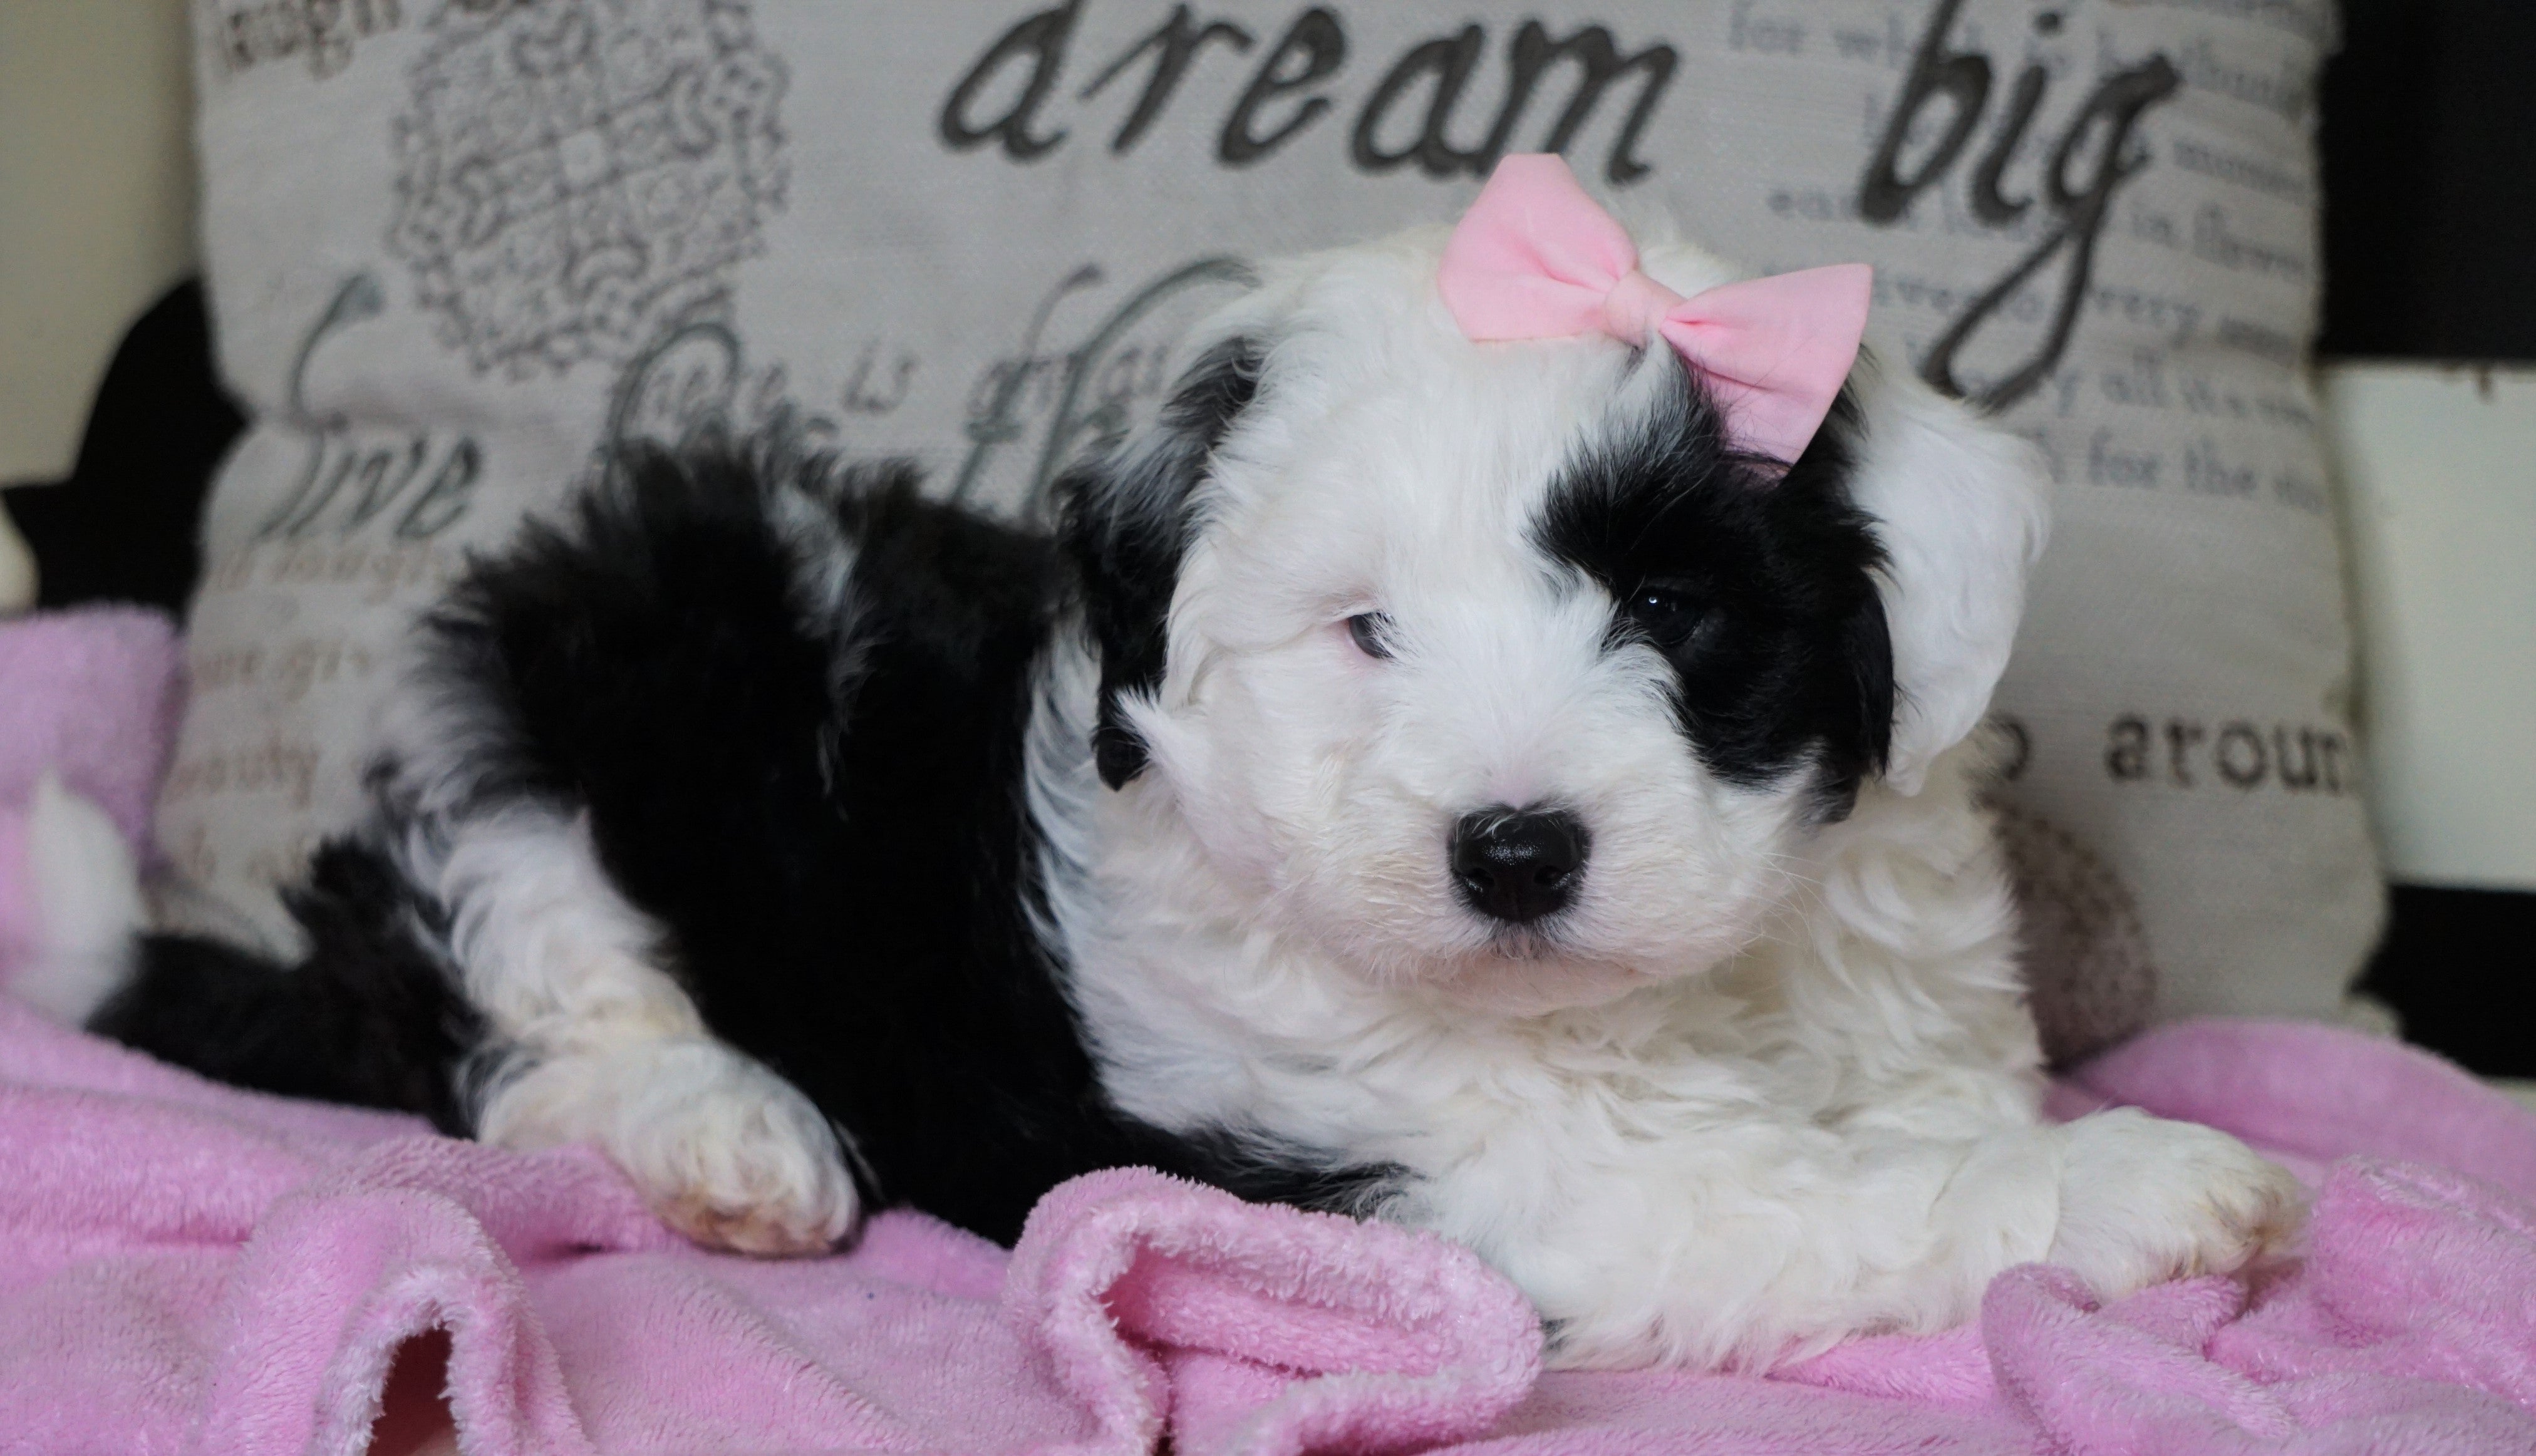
(570, 170)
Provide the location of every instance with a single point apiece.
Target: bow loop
(1535, 258)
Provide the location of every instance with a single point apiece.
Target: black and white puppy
(1429, 780)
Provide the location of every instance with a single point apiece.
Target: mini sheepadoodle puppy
(1495, 756)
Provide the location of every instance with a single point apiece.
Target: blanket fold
(1260, 1330)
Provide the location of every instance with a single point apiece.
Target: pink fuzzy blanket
(190, 1267)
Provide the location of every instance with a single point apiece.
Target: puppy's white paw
(758, 1171)
(2144, 1200)
(725, 1151)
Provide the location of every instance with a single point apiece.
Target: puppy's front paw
(758, 1173)
(725, 1151)
(2144, 1200)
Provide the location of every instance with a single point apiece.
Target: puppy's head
(1495, 666)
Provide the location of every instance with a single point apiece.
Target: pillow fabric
(458, 248)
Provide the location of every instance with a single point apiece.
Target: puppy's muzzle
(1518, 865)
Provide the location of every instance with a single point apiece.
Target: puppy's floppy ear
(1959, 505)
(1125, 520)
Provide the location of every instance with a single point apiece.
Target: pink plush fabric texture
(185, 1267)
(92, 695)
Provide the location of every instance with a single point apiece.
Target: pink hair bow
(1535, 258)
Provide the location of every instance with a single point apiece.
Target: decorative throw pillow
(458, 248)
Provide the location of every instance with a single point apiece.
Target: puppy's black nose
(1518, 865)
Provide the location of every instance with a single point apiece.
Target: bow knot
(1636, 308)
(1535, 258)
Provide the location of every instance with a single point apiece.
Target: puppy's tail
(84, 904)
(371, 1016)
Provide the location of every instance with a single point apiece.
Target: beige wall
(97, 195)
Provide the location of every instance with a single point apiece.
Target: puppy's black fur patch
(372, 1018)
(1773, 627)
(840, 887)
(1126, 524)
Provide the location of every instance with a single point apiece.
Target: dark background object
(2430, 182)
(125, 526)
(2460, 968)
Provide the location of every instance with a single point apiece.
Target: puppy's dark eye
(1668, 614)
(1369, 628)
